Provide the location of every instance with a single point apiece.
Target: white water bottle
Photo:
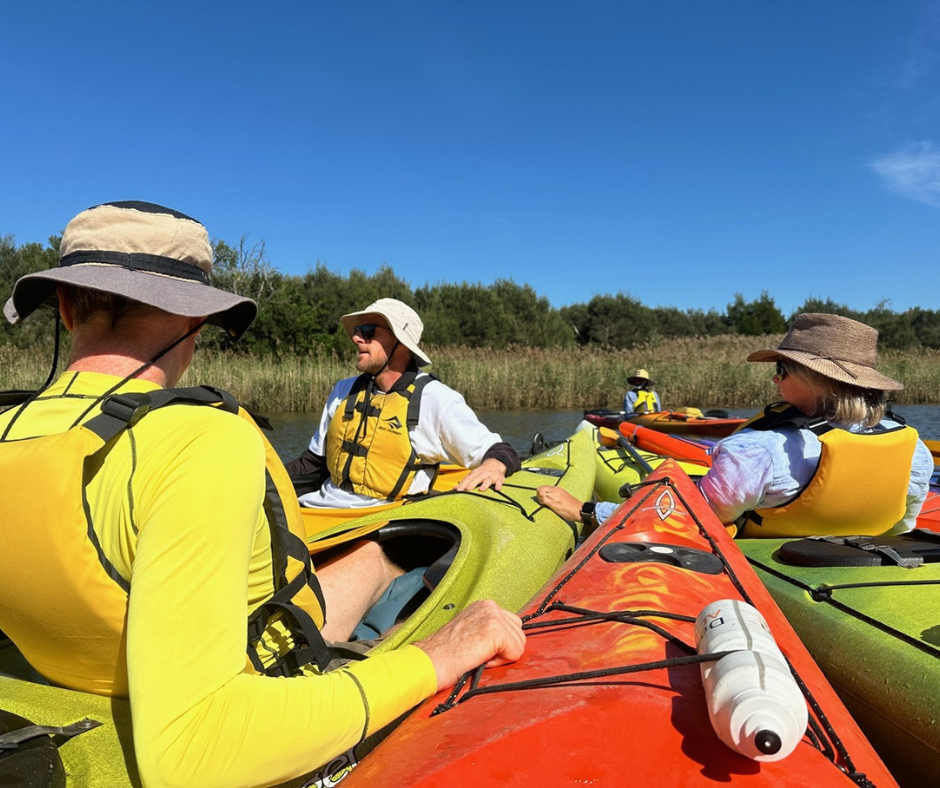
(754, 704)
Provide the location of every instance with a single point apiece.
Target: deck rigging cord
(820, 731)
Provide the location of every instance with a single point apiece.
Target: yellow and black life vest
(645, 402)
(64, 604)
(368, 448)
(859, 487)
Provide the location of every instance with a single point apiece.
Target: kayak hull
(507, 544)
(879, 646)
(590, 701)
(668, 421)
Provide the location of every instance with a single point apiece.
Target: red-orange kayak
(609, 690)
(674, 422)
(678, 448)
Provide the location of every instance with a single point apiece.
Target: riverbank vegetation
(502, 345)
(704, 372)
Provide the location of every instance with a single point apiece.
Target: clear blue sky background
(677, 151)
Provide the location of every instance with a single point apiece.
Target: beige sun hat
(402, 320)
(141, 251)
(834, 346)
(639, 377)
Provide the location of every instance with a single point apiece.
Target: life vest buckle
(126, 407)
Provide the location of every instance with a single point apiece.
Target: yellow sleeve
(198, 718)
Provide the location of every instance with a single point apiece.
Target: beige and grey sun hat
(402, 319)
(639, 377)
(834, 346)
(141, 251)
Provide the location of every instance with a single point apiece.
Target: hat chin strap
(29, 396)
(388, 359)
(141, 368)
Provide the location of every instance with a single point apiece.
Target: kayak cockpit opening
(425, 549)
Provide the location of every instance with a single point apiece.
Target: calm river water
(292, 431)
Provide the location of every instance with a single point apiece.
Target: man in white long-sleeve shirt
(383, 433)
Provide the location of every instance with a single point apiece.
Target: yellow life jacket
(368, 448)
(859, 488)
(64, 604)
(645, 402)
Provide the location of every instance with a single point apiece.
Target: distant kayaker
(145, 534)
(826, 459)
(383, 433)
(641, 398)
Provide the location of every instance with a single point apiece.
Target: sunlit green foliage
(299, 315)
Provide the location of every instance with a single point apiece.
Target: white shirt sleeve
(741, 476)
(922, 469)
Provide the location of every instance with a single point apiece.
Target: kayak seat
(716, 413)
(906, 550)
(32, 762)
(428, 545)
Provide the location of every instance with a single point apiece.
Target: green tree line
(299, 314)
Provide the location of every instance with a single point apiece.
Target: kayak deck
(608, 691)
(875, 632)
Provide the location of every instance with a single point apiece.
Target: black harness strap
(354, 448)
(121, 411)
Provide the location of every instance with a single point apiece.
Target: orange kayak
(609, 690)
(674, 422)
(678, 448)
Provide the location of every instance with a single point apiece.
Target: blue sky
(677, 151)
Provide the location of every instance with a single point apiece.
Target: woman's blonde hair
(841, 402)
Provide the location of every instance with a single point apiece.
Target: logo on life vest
(394, 422)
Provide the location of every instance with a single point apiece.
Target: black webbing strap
(411, 421)
(358, 385)
(414, 399)
(120, 411)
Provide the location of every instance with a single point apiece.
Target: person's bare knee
(352, 582)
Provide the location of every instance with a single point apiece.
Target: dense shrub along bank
(300, 314)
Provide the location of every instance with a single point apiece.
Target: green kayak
(874, 630)
(499, 545)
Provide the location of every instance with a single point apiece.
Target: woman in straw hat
(826, 458)
(641, 398)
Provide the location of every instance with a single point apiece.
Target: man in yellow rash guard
(177, 510)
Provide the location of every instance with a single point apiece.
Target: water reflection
(292, 431)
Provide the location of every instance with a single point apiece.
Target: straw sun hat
(141, 251)
(402, 320)
(834, 346)
(639, 377)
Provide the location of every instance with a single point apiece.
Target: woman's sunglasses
(367, 330)
(781, 370)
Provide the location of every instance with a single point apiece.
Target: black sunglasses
(781, 369)
(366, 330)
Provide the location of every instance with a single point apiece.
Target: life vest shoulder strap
(120, 411)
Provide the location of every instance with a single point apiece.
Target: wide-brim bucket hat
(639, 377)
(144, 252)
(402, 320)
(834, 346)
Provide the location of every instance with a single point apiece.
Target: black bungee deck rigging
(820, 732)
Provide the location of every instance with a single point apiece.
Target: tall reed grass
(704, 372)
